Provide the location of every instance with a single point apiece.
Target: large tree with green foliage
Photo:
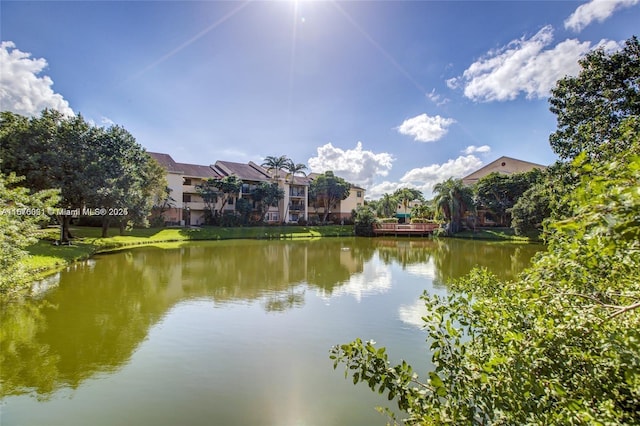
(498, 192)
(387, 205)
(51, 151)
(21, 213)
(267, 195)
(228, 186)
(127, 179)
(326, 190)
(452, 200)
(210, 194)
(591, 106)
(92, 167)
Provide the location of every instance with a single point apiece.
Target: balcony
(298, 193)
(296, 207)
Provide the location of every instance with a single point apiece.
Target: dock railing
(404, 228)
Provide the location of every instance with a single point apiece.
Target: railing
(296, 207)
(296, 193)
(405, 228)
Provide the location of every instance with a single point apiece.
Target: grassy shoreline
(45, 258)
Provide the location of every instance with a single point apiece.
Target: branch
(624, 309)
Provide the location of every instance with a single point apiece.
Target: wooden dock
(396, 229)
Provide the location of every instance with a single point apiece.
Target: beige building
(188, 207)
(505, 165)
(182, 178)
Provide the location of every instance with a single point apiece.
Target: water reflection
(102, 310)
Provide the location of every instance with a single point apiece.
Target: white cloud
(413, 314)
(523, 66)
(424, 178)
(355, 165)
(21, 90)
(595, 10)
(424, 128)
(375, 278)
(484, 149)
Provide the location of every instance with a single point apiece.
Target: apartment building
(188, 207)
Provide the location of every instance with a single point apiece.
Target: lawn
(497, 234)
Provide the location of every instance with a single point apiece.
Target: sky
(387, 94)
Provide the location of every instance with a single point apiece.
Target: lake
(225, 332)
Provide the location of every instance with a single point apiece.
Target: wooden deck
(405, 228)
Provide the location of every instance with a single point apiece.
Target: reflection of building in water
(246, 270)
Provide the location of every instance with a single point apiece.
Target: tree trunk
(65, 234)
(105, 226)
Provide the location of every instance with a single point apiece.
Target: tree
(498, 192)
(364, 219)
(228, 187)
(423, 211)
(388, 205)
(268, 195)
(452, 200)
(328, 189)
(293, 169)
(92, 167)
(51, 151)
(127, 179)
(275, 164)
(210, 194)
(530, 211)
(406, 195)
(590, 107)
(21, 212)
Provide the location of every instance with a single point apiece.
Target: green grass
(496, 234)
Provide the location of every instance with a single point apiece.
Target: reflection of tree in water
(405, 251)
(455, 258)
(103, 309)
(92, 322)
(283, 302)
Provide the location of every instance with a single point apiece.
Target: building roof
(165, 161)
(195, 170)
(505, 165)
(248, 172)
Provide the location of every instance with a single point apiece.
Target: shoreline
(45, 258)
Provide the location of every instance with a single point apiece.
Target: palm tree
(453, 199)
(293, 169)
(388, 205)
(275, 164)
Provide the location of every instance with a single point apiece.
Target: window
(186, 198)
(230, 202)
(359, 194)
(186, 181)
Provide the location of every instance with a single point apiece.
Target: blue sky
(386, 94)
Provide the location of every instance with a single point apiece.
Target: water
(225, 333)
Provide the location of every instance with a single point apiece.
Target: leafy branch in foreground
(561, 345)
